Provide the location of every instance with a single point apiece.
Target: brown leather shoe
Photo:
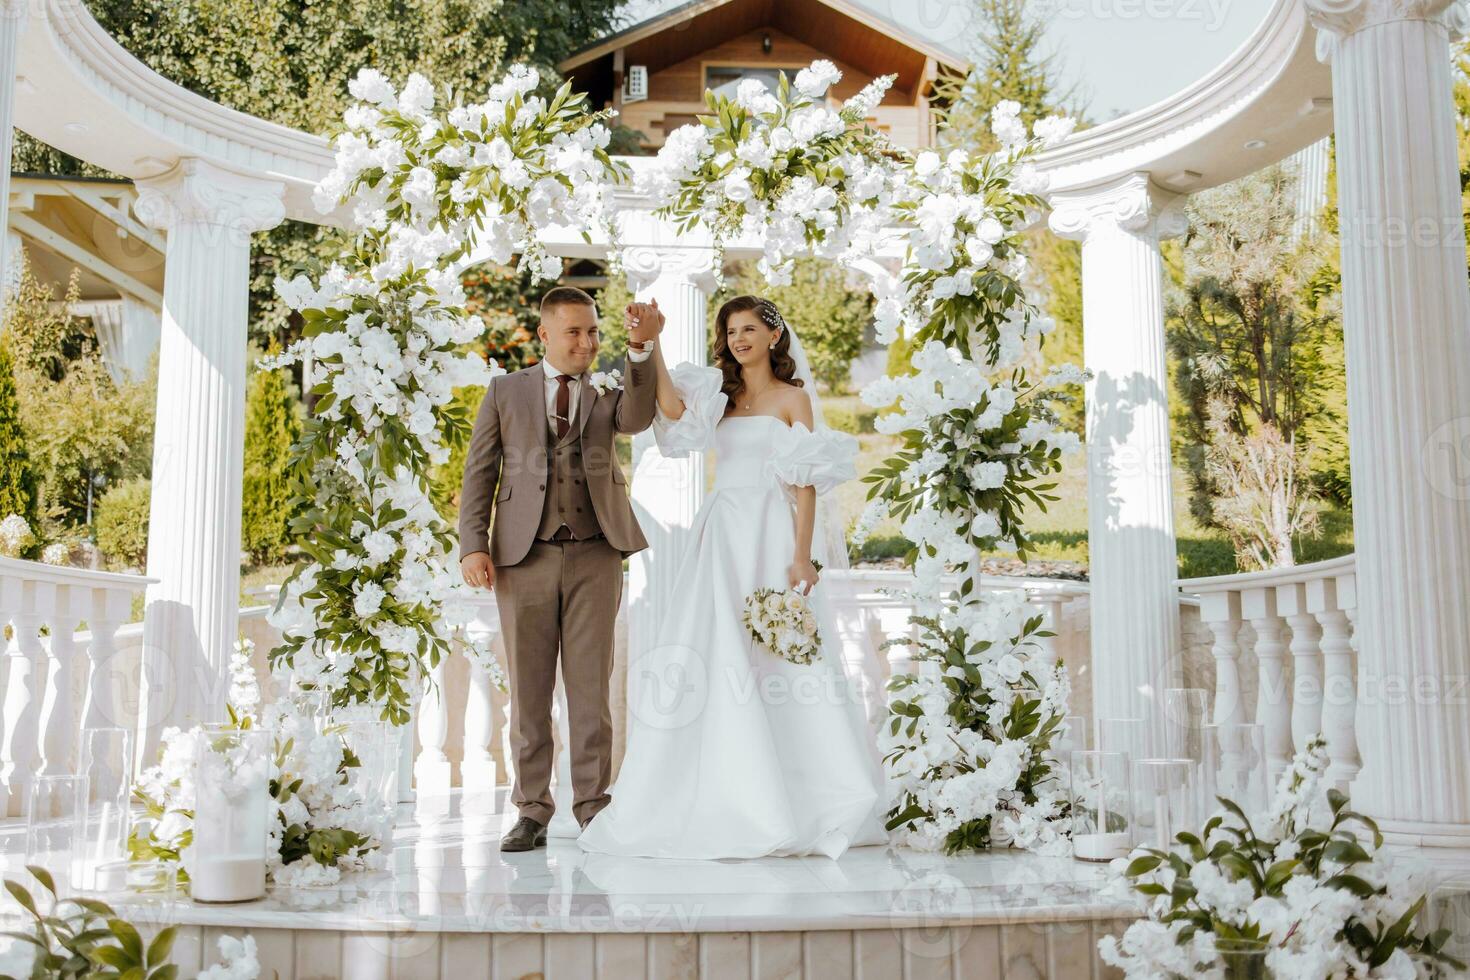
(526, 835)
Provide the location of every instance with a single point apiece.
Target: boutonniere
(605, 381)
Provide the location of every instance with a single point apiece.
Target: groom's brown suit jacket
(509, 457)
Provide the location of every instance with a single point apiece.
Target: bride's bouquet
(782, 621)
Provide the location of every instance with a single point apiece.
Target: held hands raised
(644, 321)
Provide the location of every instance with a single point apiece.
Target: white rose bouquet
(782, 621)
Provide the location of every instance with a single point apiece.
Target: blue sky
(1124, 54)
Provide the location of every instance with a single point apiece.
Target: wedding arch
(426, 184)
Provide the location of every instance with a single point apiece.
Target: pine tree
(271, 427)
(18, 490)
(1008, 63)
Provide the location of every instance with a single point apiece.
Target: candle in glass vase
(1101, 817)
(231, 815)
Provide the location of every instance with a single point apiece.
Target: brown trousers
(563, 596)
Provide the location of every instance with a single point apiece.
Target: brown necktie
(563, 405)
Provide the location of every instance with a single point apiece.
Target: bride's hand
(802, 571)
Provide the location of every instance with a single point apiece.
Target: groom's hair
(565, 296)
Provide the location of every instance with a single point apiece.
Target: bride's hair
(782, 365)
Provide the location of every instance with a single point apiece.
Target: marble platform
(452, 905)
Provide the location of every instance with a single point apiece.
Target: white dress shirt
(574, 390)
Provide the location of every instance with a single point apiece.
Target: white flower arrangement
(320, 826)
(604, 381)
(421, 183)
(477, 649)
(16, 536)
(1309, 894)
(968, 743)
(782, 621)
(375, 605)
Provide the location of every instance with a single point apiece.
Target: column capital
(645, 264)
(1133, 204)
(1337, 20)
(198, 192)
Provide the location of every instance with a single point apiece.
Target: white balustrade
(1315, 690)
(43, 605)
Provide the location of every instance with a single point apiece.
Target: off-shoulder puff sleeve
(823, 459)
(704, 406)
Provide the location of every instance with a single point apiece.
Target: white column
(1406, 324)
(12, 22)
(1130, 522)
(666, 493)
(198, 446)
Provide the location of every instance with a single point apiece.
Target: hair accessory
(771, 315)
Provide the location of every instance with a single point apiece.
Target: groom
(543, 452)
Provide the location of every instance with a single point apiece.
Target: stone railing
(47, 660)
(1284, 657)
(460, 736)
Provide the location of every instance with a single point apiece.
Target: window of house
(724, 79)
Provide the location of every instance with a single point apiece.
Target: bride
(732, 751)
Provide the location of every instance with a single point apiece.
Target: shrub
(122, 524)
(856, 422)
(271, 426)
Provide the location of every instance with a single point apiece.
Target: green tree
(272, 425)
(290, 62)
(1007, 63)
(828, 310)
(84, 431)
(1249, 354)
(18, 489)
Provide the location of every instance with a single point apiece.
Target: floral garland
(315, 812)
(1315, 898)
(969, 741)
(422, 184)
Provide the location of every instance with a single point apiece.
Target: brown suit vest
(568, 500)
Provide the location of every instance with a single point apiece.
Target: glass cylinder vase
(1102, 805)
(373, 749)
(55, 822)
(107, 762)
(231, 814)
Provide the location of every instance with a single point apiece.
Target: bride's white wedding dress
(733, 752)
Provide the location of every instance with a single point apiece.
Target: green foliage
(1239, 331)
(83, 430)
(829, 311)
(121, 524)
(509, 302)
(289, 62)
(847, 420)
(446, 479)
(272, 425)
(85, 938)
(612, 334)
(19, 492)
